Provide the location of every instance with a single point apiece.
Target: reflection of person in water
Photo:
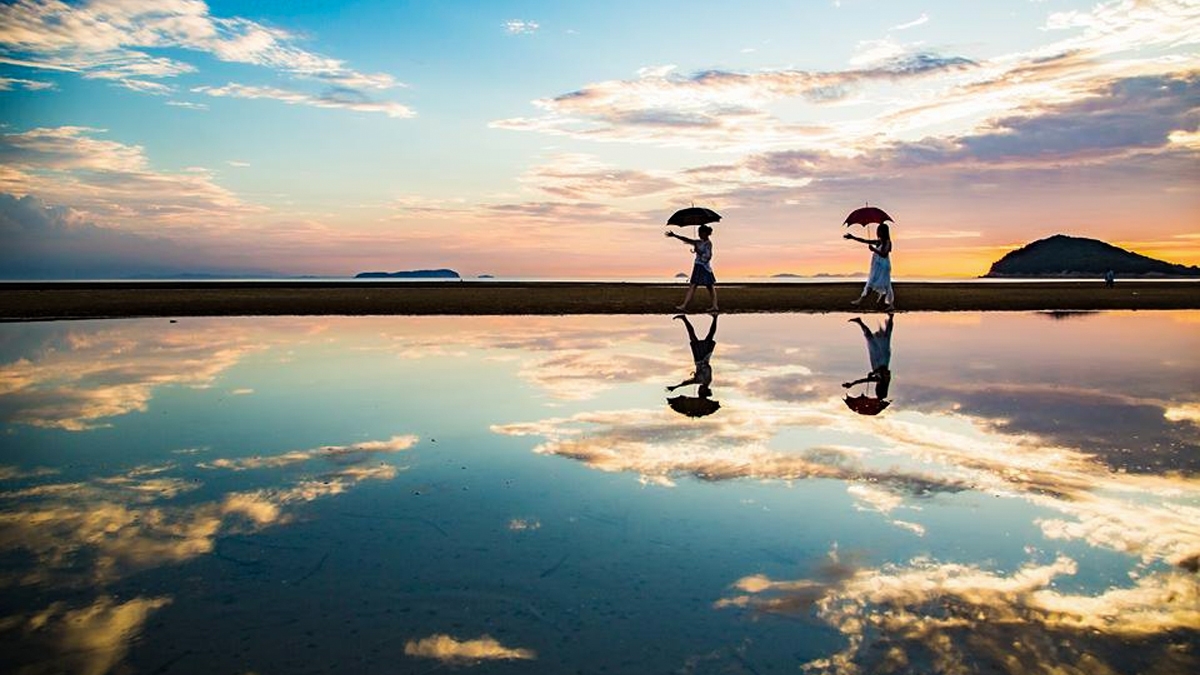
(879, 350)
(702, 350)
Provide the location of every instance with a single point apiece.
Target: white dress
(880, 278)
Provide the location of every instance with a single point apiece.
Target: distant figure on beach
(880, 278)
(1110, 277)
(702, 375)
(879, 352)
(702, 272)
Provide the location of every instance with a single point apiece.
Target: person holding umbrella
(702, 272)
(880, 278)
(879, 352)
(702, 349)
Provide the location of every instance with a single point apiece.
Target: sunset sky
(553, 139)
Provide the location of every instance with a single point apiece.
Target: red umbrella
(866, 405)
(867, 215)
(693, 215)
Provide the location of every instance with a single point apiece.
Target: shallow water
(515, 494)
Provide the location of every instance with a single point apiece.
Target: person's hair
(884, 232)
(705, 230)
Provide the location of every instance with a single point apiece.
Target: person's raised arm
(682, 238)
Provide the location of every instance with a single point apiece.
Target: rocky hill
(410, 274)
(1063, 256)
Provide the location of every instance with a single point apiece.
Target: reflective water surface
(949, 493)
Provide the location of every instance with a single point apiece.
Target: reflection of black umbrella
(693, 406)
(693, 215)
(867, 215)
(866, 405)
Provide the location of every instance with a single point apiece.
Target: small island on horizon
(1075, 257)
(442, 273)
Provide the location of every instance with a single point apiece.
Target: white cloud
(739, 111)
(451, 650)
(111, 182)
(110, 39)
(11, 83)
(188, 105)
(347, 99)
(520, 27)
(919, 21)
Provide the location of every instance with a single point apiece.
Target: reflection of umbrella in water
(693, 215)
(693, 406)
(867, 215)
(866, 405)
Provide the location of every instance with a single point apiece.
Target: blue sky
(553, 139)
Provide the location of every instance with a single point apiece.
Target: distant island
(1064, 256)
(410, 274)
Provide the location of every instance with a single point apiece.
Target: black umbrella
(693, 406)
(867, 215)
(866, 405)
(693, 215)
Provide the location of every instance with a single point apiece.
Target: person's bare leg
(712, 291)
(687, 298)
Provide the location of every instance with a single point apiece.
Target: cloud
(78, 379)
(336, 454)
(189, 105)
(945, 617)
(738, 111)
(90, 640)
(112, 41)
(54, 242)
(919, 21)
(520, 27)
(342, 97)
(711, 109)
(465, 652)
(98, 531)
(111, 181)
(11, 83)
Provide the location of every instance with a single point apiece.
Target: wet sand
(90, 300)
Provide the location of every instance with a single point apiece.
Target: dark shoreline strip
(88, 300)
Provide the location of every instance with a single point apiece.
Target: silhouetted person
(879, 351)
(702, 374)
(702, 271)
(1110, 278)
(880, 278)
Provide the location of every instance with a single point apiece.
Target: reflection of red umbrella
(693, 215)
(693, 406)
(867, 215)
(866, 405)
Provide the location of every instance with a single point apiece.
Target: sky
(553, 139)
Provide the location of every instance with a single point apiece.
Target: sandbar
(39, 301)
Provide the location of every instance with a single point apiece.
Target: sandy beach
(47, 301)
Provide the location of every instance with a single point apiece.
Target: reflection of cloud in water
(930, 617)
(465, 652)
(1096, 422)
(1148, 516)
(116, 525)
(339, 454)
(90, 640)
(581, 375)
(657, 447)
(91, 373)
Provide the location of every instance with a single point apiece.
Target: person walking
(702, 271)
(880, 278)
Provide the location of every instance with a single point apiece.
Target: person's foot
(855, 302)
(889, 308)
(714, 309)
(681, 307)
